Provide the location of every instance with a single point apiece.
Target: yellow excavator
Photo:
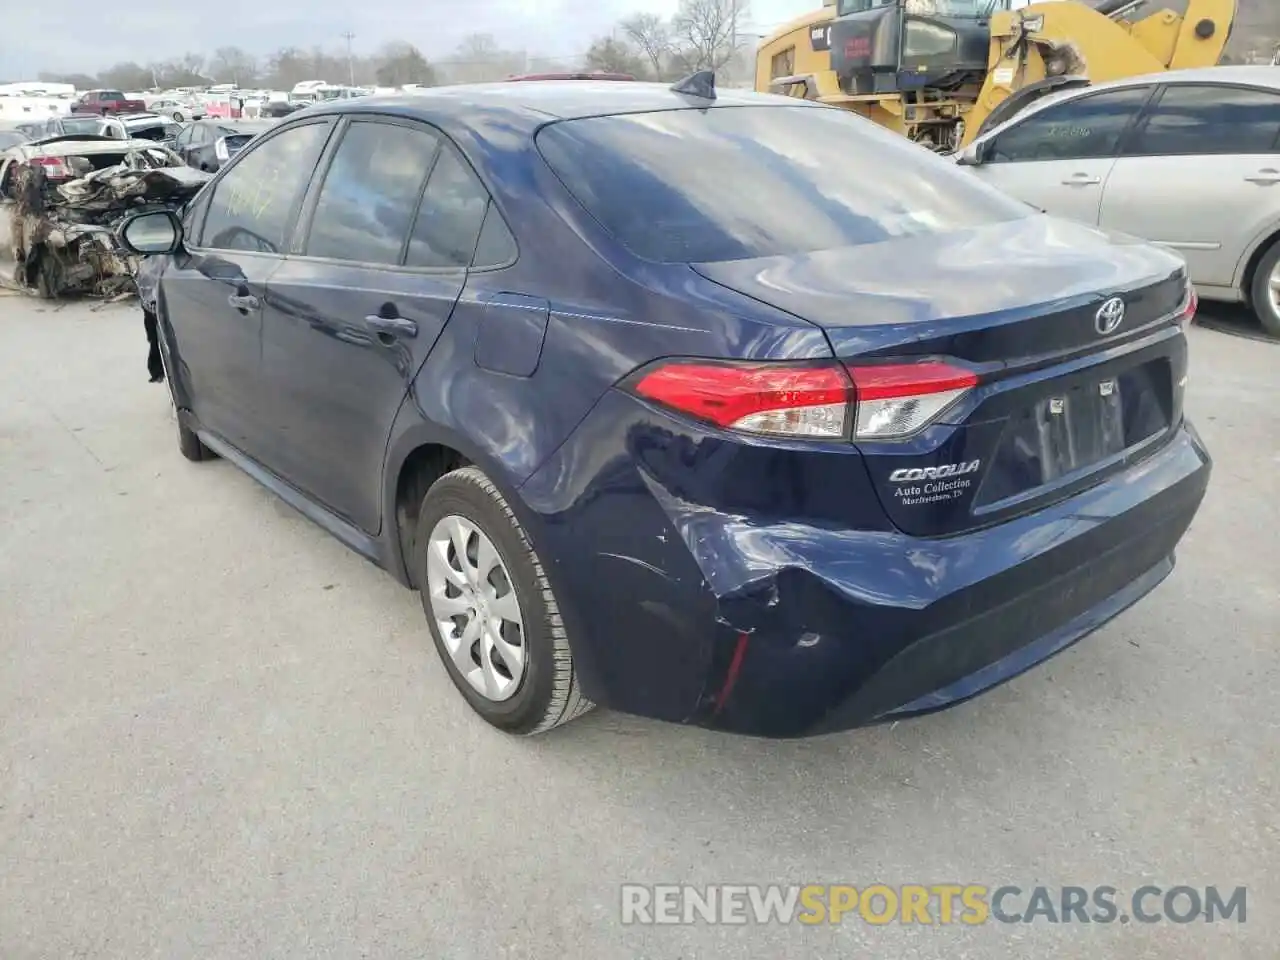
(943, 71)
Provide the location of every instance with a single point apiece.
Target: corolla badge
(1109, 316)
(934, 473)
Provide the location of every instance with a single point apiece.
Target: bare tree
(479, 58)
(652, 37)
(607, 55)
(403, 63)
(288, 66)
(126, 76)
(233, 65)
(706, 32)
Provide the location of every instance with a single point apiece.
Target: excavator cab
(898, 46)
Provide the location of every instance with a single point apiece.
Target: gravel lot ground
(224, 735)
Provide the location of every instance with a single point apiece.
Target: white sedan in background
(1189, 159)
(180, 110)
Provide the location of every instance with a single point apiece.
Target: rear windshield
(160, 132)
(731, 183)
(77, 125)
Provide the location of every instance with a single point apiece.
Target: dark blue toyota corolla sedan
(735, 411)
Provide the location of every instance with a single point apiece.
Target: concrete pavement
(224, 735)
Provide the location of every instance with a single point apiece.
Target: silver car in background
(1189, 159)
(182, 111)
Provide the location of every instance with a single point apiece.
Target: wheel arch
(417, 456)
(1253, 255)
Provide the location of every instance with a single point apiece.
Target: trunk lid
(1066, 395)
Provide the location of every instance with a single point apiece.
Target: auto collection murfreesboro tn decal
(917, 485)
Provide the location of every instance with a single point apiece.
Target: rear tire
(474, 589)
(177, 115)
(189, 443)
(1264, 293)
(192, 446)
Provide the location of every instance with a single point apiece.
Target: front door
(215, 290)
(352, 317)
(1059, 158)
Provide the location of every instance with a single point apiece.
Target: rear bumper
(989, 606)
(729, 619)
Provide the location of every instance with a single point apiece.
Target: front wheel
(491, 609)
(1265, 292)
(177, 115)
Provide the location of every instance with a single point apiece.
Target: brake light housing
(55, 168)
(771, 399)
(896, 400)
(1186, 314)
(819, 401)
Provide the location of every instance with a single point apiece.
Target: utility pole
(351, 64)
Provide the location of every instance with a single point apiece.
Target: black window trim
(302, 226)
(291, 223)
(302, 229)
(1121, 141)
(1153, 104)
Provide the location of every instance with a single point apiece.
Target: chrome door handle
(1081, 180)
(244, 301)
(1265, 177)
(395, 326)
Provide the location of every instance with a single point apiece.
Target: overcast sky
(88, 35)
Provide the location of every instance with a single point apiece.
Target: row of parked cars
(104, 140)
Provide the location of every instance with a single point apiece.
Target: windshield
(941, 8)
(730, 183)
(80, 125)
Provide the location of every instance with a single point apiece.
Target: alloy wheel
(1273, 288)
(475, 607)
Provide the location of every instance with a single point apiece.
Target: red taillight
(776, 399)
(899, 399)
(1187, 311)
(55, 168)
(886, 402)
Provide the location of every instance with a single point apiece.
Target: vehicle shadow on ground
(1013, 733)
(1234, 320)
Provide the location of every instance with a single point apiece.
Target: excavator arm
(1040, 47)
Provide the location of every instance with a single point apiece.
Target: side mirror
(971, 156)
(150, 233)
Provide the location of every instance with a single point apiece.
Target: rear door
(1200, 174)
(1059, 158)
(214, 290)
(389, 233)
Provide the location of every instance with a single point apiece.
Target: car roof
(535, 102)
(226, 123)
(1264, 76)
(1254, 76)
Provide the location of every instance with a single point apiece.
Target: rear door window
(254, 205)
(370, 193)
(448, 223)
(496, 246)
(732, 183)
(1085, 128)
(1206, 119)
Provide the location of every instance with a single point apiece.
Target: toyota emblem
(1109, 316)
